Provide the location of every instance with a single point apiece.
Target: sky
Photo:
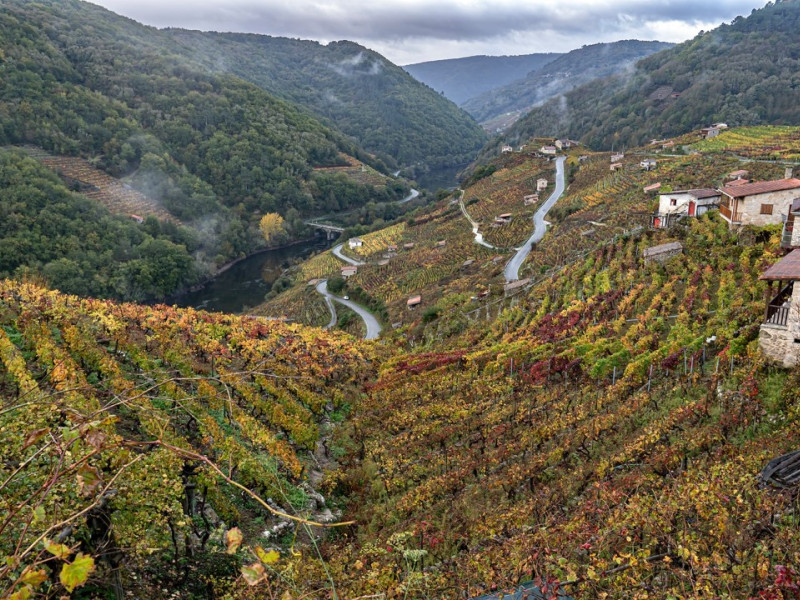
(410, 31)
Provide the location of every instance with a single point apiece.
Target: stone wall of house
(796, 233)
(782, 344)
(750, 209)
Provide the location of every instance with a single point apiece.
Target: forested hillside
(77, 246)
(213, 149)
(463, 78)
(742, 73)
(560, 76)
(353, 89)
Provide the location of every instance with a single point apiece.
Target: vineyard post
(716, 368)
(614, 376)
(684, 361)
(649, 378)
(691, 372)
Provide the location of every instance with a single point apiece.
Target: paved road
(337, 250)
(412, 194)
(478, 234)
(373, 327)
(539, 227)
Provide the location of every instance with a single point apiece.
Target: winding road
(337, 250)
(539, 227)
(411, 195)
(478, 234)
(373, 327)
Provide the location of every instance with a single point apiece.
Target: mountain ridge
(742, 73)
(461, 79)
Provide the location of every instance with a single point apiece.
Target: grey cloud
(393, 21)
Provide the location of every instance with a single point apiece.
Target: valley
(250, 347)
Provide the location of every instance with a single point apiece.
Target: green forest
(213, 149)
(742, 73)
(351, 88)
(71, 243)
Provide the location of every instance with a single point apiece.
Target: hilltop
(352, 89)
(742, 73)
(461, 79)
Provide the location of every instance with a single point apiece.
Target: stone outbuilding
(662, 252)
(779, 337)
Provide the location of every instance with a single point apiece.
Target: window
(673, 202)
(766, 209)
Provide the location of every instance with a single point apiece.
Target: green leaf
(33, 578)
(234, 538)
(77, 572)
(58, 550)
(265, 557)
(38, 514)
(253, 574)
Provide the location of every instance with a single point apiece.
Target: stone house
(548, 150)
(779, 337)
(355, 243)
(413, 302)
(541, 184)
(760, 203)
(348, 272)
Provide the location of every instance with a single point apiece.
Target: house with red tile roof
(759, 203)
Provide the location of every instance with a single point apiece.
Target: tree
(271, 226)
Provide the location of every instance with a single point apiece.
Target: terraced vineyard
(600, 394)
(503, 192)
(117, 197)
(761, 143)
(175, 410)
(356, 171)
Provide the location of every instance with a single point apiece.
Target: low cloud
(414, 30)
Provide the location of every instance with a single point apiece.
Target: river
(245, 284)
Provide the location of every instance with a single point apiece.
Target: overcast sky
(408, 31)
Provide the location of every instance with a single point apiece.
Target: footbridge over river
(331, 231)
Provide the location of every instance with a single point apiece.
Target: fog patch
(358, 64)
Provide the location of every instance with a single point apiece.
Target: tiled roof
(786, 268)
(704, 193)
(760, 187)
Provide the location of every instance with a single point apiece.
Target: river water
(245, 284)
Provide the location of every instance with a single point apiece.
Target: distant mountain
(743, 73)
(561, 75)
(460, 79)
(351, 88)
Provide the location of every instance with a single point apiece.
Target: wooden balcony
(777, 313)
(730, 216)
